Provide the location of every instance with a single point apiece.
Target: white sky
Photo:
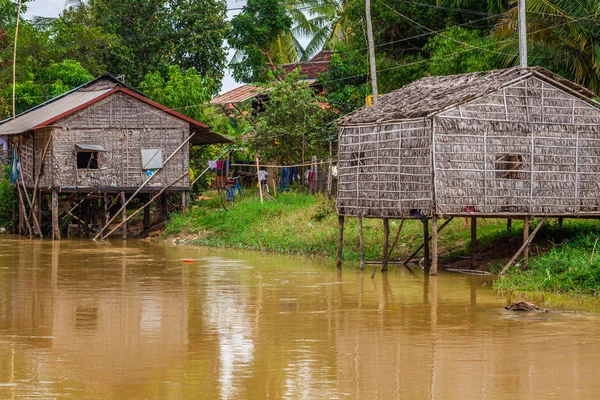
(52, 8)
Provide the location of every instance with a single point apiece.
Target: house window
(87, 155)
(87, 160)
(508, 166)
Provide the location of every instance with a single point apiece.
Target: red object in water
(188, 260)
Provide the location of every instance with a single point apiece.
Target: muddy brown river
(114, 320)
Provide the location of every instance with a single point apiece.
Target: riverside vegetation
(302, 224)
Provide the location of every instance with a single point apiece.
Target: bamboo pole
(386, 238)
(525, 238)
(423, 245)
(361, 243)
(340, 240)
(426, 244)
(529, 240)
(473, 242)
(99, 234)
(14, 69)
(36, 223)
(55, 226)
(39, 174)
(123, 215)
(126, 219)
(395, 241)
(434, 246)
(23, 210)
(258, 178)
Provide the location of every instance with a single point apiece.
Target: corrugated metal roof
(29, 120)
(239, 94)
(90, 147)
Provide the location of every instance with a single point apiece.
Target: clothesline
(309, 164)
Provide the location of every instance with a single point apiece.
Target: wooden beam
(55, 225)
(340, 241)
(426, 243)
(23, 211)
(423, 244)
(434, 246)
(41, 171)
(386, 238)
(395, 241)
(473, 242)
(529, 240)
(361, 243)
(123, 215)
(525, 239)
(125, 218)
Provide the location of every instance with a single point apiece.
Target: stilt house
(512, 143)
(102, 139)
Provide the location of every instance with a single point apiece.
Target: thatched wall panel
(385, 170)
(41, 139)
(26, 160)
(123, 126)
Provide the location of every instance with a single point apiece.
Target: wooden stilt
(394, 242)
(509, 224)
(423, 244)
(185, 202)
(426, 244)
(340, 241)
(124, 214)
(23, 212)
(434, 246)
(361, 243)
(37, 209)
(37, 230)
(386, 238)
(146, 224)
(164, 207)
(525, 240)
(518, 253)
(55, 226)
(473, 242)
(260, 191)
(560, 223)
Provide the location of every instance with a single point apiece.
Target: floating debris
(523, 306)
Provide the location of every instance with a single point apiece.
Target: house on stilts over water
(517, 143)
(95, 149)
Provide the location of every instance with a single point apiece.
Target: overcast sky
(52, 8)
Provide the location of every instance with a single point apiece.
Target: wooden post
(434, 246)
(386, 238)
(509, 224)
(560, 223)
(423, 245)
(164, 207)
(361, 243)
(55, 225)
(426, 244)
(258, 179)
(340, 241)
(124, 214)
(37, 209)
(23, 212)
(473, 242)
(518, 253)
(185, 202)
(330, 172)
(525, 237)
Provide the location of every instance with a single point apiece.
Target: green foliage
(294, 120)
(460, 50)
(7, 201)
(253, 32)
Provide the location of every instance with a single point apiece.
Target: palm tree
(563, 35)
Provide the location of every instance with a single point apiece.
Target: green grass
(566, 268)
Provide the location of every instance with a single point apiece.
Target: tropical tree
(563, 35)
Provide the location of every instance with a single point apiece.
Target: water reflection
(109, 320)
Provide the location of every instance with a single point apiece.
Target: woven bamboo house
(95, 148)
(512, 143)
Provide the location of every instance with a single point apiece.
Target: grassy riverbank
(307, 225)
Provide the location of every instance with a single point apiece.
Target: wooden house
(513, 143)
(102, 140)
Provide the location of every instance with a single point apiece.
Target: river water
(114, 320)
